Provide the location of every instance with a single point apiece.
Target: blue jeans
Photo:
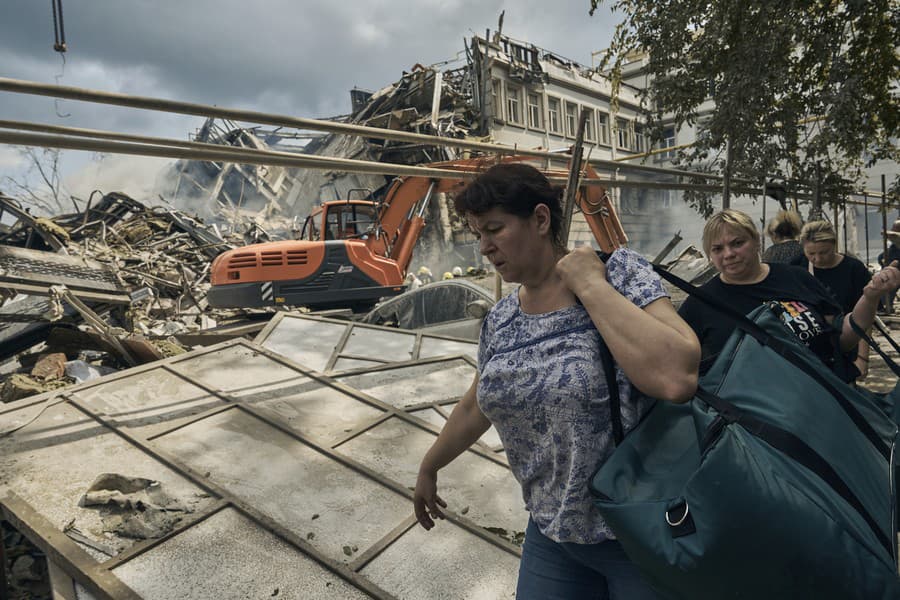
(564, 571)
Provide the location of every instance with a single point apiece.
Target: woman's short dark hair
(516, 188)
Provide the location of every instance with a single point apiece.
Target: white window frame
(590, 132)
(497, 99)
(624, 134)
(535, 111)
(554, 117)
(514, 105)
(667, 198)
(668, 141)
(640, 145)
(603, 128)
(571, 119)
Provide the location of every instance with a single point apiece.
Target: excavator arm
(358, 271)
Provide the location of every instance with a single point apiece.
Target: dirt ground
(880, 377)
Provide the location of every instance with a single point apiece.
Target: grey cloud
(277, 56)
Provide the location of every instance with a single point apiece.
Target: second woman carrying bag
(774, 482)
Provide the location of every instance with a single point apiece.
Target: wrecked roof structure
(507, 91)
(169, 478)
(105, 280)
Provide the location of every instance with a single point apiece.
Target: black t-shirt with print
(800, 300)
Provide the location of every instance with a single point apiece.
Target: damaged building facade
(507, 92)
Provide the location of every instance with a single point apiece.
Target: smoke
(10, 159)
(142, 178)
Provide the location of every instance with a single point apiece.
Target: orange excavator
(355, 252)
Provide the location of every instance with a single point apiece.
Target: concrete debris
(49, 366)
(692, 266)
(134, 507)
(19, 385)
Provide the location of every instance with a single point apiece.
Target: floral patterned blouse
(542, 385)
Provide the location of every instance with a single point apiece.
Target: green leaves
(795, 85)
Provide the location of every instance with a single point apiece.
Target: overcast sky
(296, 57)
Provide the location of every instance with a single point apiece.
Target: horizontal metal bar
(189, 108)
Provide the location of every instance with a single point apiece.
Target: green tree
(803, 89)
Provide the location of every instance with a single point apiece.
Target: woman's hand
(884, 281)
(426, 499)
(580, 268)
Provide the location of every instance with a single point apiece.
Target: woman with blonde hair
(783, 230)
(844, 276)
(804, 305)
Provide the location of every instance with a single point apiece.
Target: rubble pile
(112, 286)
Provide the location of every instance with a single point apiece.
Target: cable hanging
(59, 32)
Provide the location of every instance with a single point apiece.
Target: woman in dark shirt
(844, 276)
(807, 308)
(783, 230)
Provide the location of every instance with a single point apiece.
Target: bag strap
(799, 451)
(612, 385)
(784, 350)
(886, 333)
(892, 365)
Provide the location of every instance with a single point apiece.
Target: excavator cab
(349, 220)
(340, 220)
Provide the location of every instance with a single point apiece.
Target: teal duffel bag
(773, 483)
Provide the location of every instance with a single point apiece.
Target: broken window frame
(554, 120)
(535, 111)
(514, 112)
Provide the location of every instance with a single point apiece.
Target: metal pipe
(884, 227)
(204, 110)
(844, 207)
(215, 152)
(866, 225)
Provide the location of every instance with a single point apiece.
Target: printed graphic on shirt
(803, 321)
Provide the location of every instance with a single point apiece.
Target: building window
(553, 116)
(571, 119)
(624, 134)
(497, 99)
(640, 141)
(668, 141)
(514, 104)
(535, 111)
(667, 198)
(603, 127)
(589, 131)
